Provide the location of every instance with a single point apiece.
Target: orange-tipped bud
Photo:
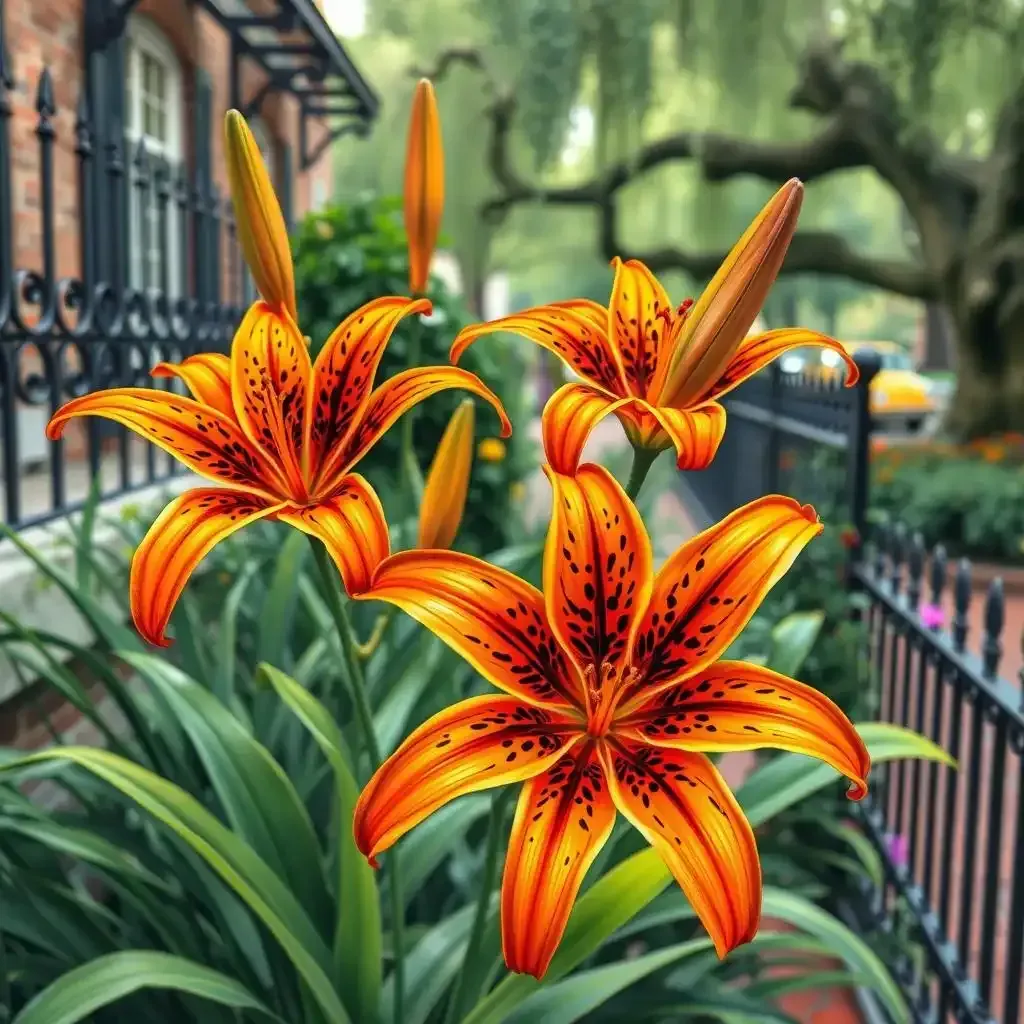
(731, 302)
(424, 184)
(444, 494)
(260, 223)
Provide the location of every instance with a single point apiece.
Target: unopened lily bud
(424, 184)
(444, 494)
(729, 305)
(262, 233)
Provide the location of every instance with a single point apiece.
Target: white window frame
(143, 36)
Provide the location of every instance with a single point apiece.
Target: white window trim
(144, 36)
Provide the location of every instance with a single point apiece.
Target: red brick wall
(49, 33)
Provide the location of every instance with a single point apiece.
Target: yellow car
(902, 400)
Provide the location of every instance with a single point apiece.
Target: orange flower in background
(662, 370)
(613, 697)
(447, 483)
(278, 432)
(424, 184)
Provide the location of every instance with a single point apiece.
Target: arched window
(154, 111)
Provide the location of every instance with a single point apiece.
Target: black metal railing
(949, 915)
(147, 271)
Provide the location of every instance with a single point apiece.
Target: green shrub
(347, 255)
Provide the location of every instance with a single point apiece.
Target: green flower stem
(410, 466)
(643, 459)
(357, 688)
(461, 995)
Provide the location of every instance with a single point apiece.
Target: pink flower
(932, 616)
(896, 843)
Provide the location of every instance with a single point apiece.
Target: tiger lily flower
(614, 694)
(662, 370)
(278, 433)
(423, 192)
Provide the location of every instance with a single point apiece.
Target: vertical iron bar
(8, 357)
(1015, 922)
(938, 583)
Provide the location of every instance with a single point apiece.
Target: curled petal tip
(858, 790)
(809, 513)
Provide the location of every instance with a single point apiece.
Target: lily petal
(563, 818)
(262, 232)
(489, 616)
(476, 744)
(397, 396)
(758, 350)
(637, 322)
(182, 536)
(345, 369)
(707, 591)
(207, 441)
(270, 373)
(734, 705)
(576, 331)
(694, 433)
(728, 306)
(351, 523)
(569, 417)
(424, 184)
(598, 571)
(686, 812)
(207, 375)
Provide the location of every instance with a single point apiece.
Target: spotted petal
(493, 619)
(569, 417)
(694, 433)
(182, 536)
(563, 818)
(394, 398)
(575, 331)
(638, 320)
(270, 371)
(345, 368)
(352, 526)
(734, 705)
(473, 745)
(597, 576)
(205, 440)
(756, 351)
(207, 375)
(686, 812)
(707, 591)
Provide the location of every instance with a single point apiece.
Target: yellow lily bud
(731, 302)
(424, 184)
(260, 223)
(444, 494)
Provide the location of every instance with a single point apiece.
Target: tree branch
(810, 252)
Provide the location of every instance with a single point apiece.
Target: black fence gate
(949, 917)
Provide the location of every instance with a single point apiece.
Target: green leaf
(233, 859)
(792, 640)
(402, 696)
(842, 943)
(632, 884)
(224, 680)
(80, 992)
(358, 961)
(571, 1000)
(432, 841)
(279, 605)
(257, 796)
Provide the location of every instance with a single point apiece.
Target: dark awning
(300, 55)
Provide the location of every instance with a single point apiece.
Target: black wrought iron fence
(949, 914)
(155, 275)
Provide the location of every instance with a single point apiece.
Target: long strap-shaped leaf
(100, 982)
(358, 935)
(240, 867)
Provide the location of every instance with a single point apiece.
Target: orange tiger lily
(277, 431)
(662, 371)
(613, 697)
